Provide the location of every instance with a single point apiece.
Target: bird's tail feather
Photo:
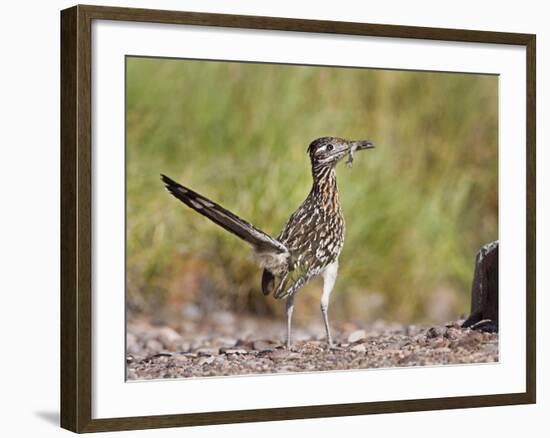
(224, 218)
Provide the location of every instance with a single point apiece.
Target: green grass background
(417, 207)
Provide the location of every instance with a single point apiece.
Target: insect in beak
(357, 146)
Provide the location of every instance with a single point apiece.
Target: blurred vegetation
(417, 208)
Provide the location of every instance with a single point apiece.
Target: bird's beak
(362, 144)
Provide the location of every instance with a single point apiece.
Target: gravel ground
(210, 347)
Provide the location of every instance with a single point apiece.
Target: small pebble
(356, 336)
(469, 341)
(434, 332)
(359, 348)
(206, 360)
(153, 345)
(187, 354)
(168, 336)
(208, 351)
(452, 333)
(265, 345)
(233, 351)
(163, 354)
(440, 343)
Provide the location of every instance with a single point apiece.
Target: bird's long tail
(261, 241)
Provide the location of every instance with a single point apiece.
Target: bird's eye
(330, 147)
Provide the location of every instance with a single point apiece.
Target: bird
(310, 242)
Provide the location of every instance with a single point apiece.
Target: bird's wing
(224, 218)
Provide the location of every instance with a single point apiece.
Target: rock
(470, 340)
(206, 360)
(153, 345)
(163, 354)
(279, 354)
(233, 351)
(191, 311)
(359, 348)
(413, 359)
(244, 343)
(356, 336)
(321, 343)
(131, 339)
(208, 351)
(226, 342)
(168, 336)
(188, 327)
(187, 354)
(196, 344)
(222, 318)
(183, 346)
(134, 348)
(452, 333)
(300, 335)
(265, 345)
(434, 332)
(440, 343)
(232, 357)
(284, 355)
(311, 347)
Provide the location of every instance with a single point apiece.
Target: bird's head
(328, 151)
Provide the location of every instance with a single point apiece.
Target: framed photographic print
(302, 218)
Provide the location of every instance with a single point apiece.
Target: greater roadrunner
(311, 240)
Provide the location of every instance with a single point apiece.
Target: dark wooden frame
(76, 225)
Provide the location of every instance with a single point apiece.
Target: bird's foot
(332, 346)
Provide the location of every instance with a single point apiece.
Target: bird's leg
(324, 310)
(289, 310)
(329, 278)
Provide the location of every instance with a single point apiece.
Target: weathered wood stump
(484, 308)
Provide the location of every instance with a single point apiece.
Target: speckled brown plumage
(314, 234)
(310, 241)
